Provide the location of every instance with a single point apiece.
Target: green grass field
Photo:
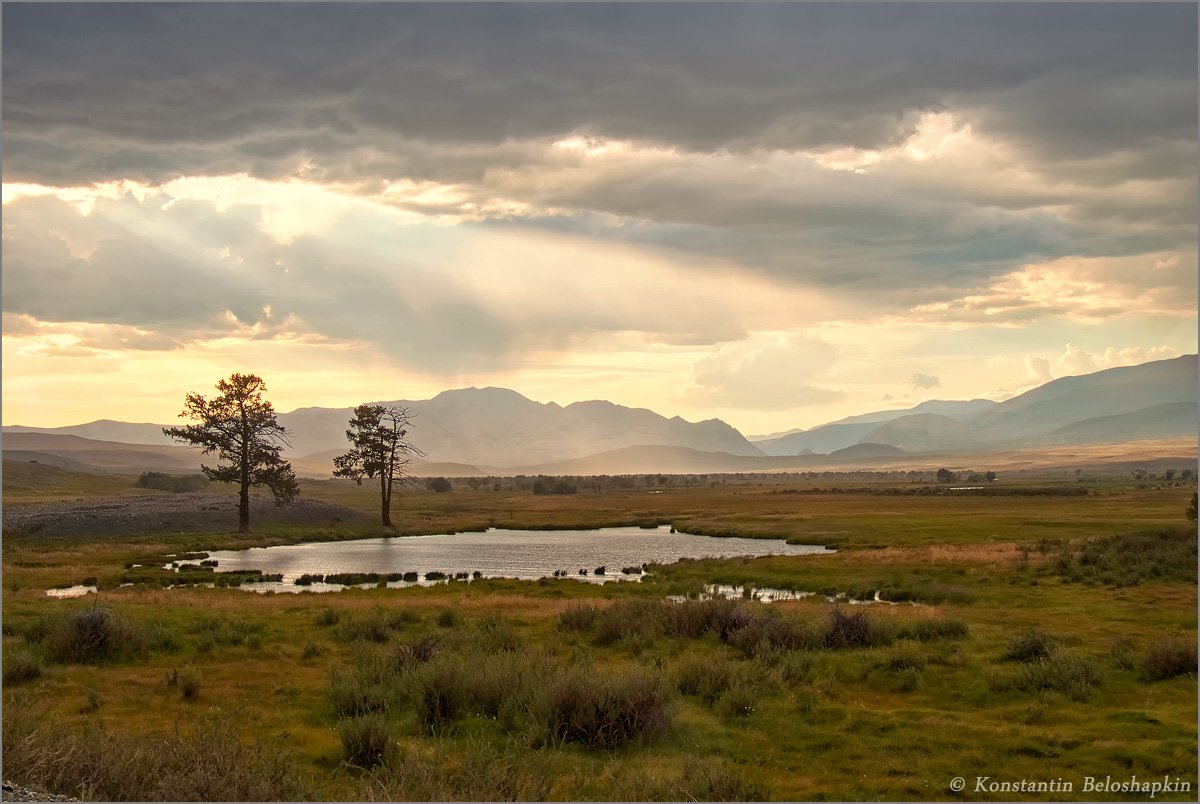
(1036, 638)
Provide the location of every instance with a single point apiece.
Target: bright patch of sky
(774, 214)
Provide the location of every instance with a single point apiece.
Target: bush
(578, 617)
(327, 616)
(210, 762)
(448, 618)
(188, 681)
(372, 629)
(603, 711)
(442, 693)
(369, 687)
(1169, 658)
(632, 621)
(766, 634)
(21, 667)
(855, 630)
(738, 701)
(92, 636)
(696, 618)
(365, 741)
(1074, 676)
(172, 483)
(439, 484)
(419, 652)
(706, 678)
(496, 635)
(1032, 646)
(933, 629)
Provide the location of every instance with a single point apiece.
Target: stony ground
(164, 513)
(12, 792)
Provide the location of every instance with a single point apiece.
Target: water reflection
(521, 554)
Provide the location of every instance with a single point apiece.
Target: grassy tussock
(366, 741)
(1131, 559)
(1169, 658)
(603, 711)
(208, 763)
(21, 667)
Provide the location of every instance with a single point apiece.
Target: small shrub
(855, 630)
(189, 683)
(1074, 676)
(21, 667)
(419, 652)
(327, 616)
(904, 659)
(448, 618)
(763, 635)
(311, 650)
(91, 703)
(372, 629)
(931, 630)
(1124, 653)
(442, 694)
(631, 621)
(738, 701)
(401, 618)
(496, 635)
(578, 617)
(1169, 658)
(365, 741)
(707, 678)
(603, 711)
(95, 635)
(1032, 646)
(359, 692)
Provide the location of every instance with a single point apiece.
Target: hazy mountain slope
(1064, 401)
(1159, 421)
(851, 430)
(499, 427)
(754, 439)
(105, 430)
(825, 439)
(108, 456)
(916, 433)
(867, 450)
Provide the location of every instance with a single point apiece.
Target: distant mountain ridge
(496, 429)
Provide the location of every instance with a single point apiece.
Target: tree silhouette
(240, 427)
(377, 433)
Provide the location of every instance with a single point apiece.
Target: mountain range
(496, 430)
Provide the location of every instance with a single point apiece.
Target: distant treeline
(175, 483)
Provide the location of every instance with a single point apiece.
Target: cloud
(765, 373)
(984, 137)
(924, 381)
(164, 271)
(1075, 360)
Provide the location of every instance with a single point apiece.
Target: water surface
(522, 554)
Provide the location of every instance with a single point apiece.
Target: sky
(777, 215)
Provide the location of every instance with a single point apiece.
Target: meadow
(1021, 635)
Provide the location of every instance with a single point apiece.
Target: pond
(521, 554)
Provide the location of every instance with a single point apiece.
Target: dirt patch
(165, 513)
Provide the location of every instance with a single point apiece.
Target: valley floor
(1026, 638)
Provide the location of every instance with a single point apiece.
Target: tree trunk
(244, 509)
(385, 496)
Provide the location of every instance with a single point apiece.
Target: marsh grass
(603, 711)
(366, 741)
(209, 762)
(1169, 658)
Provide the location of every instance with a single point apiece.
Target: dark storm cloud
(145, 91)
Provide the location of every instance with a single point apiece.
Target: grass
(505, 689)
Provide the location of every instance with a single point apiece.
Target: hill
(828, 438)
(104, 456)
